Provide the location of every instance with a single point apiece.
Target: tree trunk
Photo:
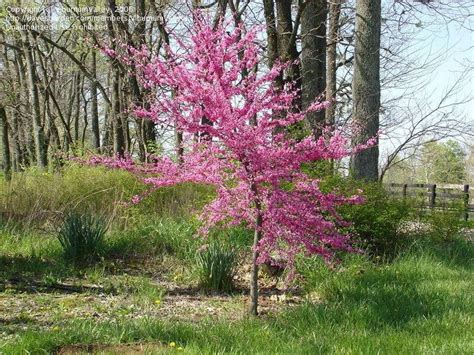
(38, 133)
(107, 144)
(17, 160)
(313, 60)
(366, 86)
(23, 131)
(5, 143)
(331, 56)
(253, 308)
(119, 140)
(272, 34)
(85, 112)
(287, 44)
(95, 141)
(117, 123)
(77, 108)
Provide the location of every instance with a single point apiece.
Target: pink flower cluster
(211, 86)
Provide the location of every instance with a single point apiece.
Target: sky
(458, 44)
(452, 43)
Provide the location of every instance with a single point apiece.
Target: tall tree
(331, 58)
(442, 163)
(5, 143)
(38, 133)
(118, 131)
(313, 59)
(287, 50)
(95, 105)
(366, 86)
(272, 34)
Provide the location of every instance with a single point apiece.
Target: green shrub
(216, 262)
(446, 224)
(82, 238)
(376, 224)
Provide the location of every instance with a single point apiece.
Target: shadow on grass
(457, 253)
(391, 300)
(427, 283)
(14, 266)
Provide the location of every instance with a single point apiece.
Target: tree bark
(117, 124)
(38, 133)
(77, 107)
(95, 141)
(253, 308)
(331, 57)
(119, 139)
(366, 86)
(313, 60)
(272, 34)
(17, 160)
(5, 143)
(287, 43)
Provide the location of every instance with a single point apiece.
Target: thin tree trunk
(24, 132)
(5, 143)
(51, 133)
(366, 86)
(85, 111)
(117, 123)
(77, 107)
(108, 125)
(67, 134)
(313, 59)
(253, 308)
(333, 39)
(178, 134)
(119, 141)
(95, 141)
(17, 160)
(38, 133)
(124, 102)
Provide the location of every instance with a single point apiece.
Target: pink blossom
(244, 158)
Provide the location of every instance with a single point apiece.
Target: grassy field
(143, 294)
(420, 303)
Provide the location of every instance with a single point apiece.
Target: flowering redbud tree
(245, 151)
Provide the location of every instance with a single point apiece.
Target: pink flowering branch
(256, 170)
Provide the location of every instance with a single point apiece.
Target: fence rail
(436, 195)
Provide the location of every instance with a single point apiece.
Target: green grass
(39, 199)
(421, 303)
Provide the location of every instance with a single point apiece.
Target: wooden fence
(436, 196)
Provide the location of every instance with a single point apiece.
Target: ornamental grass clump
(216, 263)
(82, 238)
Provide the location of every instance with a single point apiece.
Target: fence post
(466, 202)
(405, 187)
(433, 195)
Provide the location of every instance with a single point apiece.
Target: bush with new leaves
(376, 225)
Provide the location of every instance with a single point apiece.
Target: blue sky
(452, 44)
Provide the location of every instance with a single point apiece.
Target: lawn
(143, 296)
